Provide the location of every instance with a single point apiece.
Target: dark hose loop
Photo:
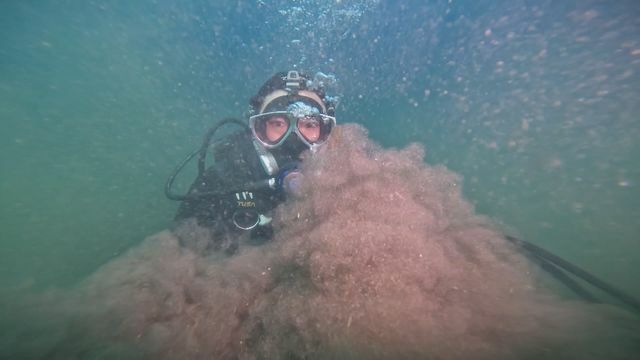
(202, 155)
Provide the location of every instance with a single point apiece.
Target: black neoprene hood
(278, 82)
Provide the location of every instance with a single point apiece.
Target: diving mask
(301, 117)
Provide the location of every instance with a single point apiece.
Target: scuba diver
(255, 168)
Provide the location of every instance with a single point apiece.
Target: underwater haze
(533, 104)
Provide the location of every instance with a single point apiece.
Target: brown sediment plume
(380, 258)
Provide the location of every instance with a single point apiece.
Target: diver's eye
(308, 123)
(277, 121)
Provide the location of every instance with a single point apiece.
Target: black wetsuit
(205, 224)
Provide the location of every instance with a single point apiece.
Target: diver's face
(282, 114)
(276, 127)
(309, 128)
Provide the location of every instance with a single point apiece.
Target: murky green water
(534, 103)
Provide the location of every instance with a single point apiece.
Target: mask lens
(271, 128)
(315, 129)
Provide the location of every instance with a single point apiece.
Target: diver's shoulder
(235, 142)
(237, 137)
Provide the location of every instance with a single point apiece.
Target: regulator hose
(549, 260)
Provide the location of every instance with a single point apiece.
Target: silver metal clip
(293, 80)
